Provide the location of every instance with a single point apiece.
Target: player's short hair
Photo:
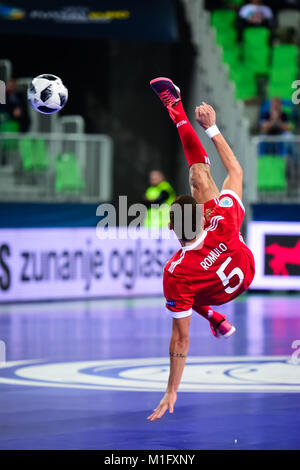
(186, 218)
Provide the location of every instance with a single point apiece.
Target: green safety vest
(159, 218)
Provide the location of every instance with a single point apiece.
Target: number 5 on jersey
(226, 278)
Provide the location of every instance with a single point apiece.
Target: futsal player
(214, 265)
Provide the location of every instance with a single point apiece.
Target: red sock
(193, 149)
(207, 312)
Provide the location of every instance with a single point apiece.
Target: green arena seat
(9, 126)
(257, 49)
(40, 155)
(280, 90)
(271, 173)
(280, 83)
(255, 37)
(284, 71)
(227, 38)
(231, 56)
(285, 56)
(68, 174)
(245, 82)
(246, 91)
(278, 174)
(26, 151)
(34, 154)
(223, 19)
(258, 61)
(283, 74)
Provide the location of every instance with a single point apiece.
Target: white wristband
(212, 131)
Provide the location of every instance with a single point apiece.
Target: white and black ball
(47, 94)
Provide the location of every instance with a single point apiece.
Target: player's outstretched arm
(179, 346)
(206, 117)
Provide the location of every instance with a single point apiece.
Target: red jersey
(217, 267)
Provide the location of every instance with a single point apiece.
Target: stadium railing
(55, 167)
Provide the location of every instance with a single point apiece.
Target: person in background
(256, 13)
(160, 193)
(274, 122)
(15, 109)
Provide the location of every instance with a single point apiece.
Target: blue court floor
(85, 375)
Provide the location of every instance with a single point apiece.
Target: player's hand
(205, 115)
(167, 403)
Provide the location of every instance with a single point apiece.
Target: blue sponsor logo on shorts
(226, 202)
(171, 303)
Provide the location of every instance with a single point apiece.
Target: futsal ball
(47, 94)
